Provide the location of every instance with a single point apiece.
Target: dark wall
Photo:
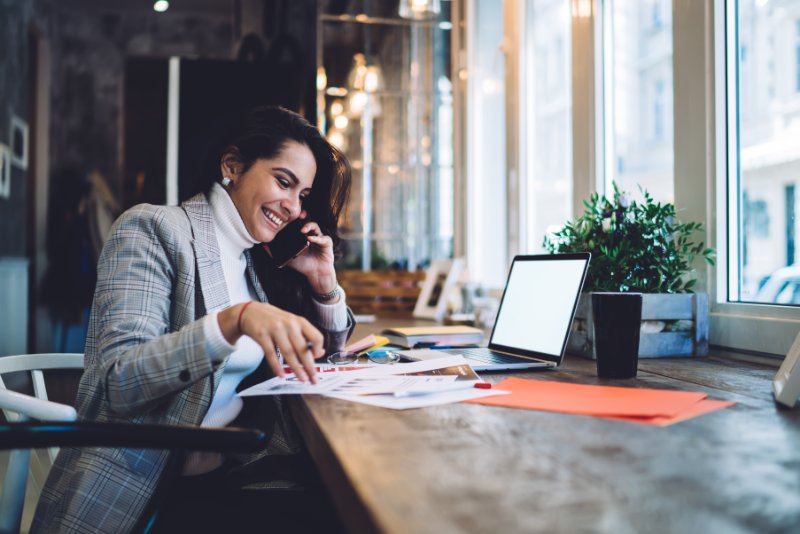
(14, 17)
(88, 43)
(90, 49)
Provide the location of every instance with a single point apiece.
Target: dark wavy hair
(262, 133)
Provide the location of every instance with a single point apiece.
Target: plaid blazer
(146, 362)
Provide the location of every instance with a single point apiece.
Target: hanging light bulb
(355, 78)
(337, 108)
(420, 9)
(160, 5)
(338, 138)
(373, 79)
(356, 101)
(341, 122)
(364, 79)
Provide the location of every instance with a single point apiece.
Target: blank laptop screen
(537, 305)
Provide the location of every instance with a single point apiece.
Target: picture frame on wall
(5, 171)
(18, 134)
(440, 278)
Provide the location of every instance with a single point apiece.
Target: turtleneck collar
(234, 238)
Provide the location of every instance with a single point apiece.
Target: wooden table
(483, 469)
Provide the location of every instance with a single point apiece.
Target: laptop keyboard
(484, 355)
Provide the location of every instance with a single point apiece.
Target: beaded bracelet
(330, 295)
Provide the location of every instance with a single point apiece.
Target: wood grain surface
(472, 468)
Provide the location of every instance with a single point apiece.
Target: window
(637, 65)
(797, 56)
(486, 211)
(656, 18)
(658, 112)
(755, 169)
(765, 155)
(385, 97)
(548, 137)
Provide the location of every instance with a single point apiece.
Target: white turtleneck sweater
(246, 354)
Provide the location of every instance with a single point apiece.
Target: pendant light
(420, 9)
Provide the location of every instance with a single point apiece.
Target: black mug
(617, 321)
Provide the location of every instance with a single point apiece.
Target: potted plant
(641, 247)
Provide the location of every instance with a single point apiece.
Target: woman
(188, 304)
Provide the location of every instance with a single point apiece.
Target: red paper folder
(651, 406)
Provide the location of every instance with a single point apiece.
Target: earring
(226, 181)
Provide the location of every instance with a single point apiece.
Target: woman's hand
(273, 328)
(316, 264)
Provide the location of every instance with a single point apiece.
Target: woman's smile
(273, 218)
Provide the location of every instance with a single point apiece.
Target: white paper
(290, 385)
(378, 385)
(389, 385)
(328, 382)
(406, 403)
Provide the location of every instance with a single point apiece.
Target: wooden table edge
(351, 509)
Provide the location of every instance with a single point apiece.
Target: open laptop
(535, 314)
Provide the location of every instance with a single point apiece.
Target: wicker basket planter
(672, 325)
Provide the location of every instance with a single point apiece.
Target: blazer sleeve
(140, 360)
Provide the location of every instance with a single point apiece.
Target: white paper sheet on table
(378, 378)
(381, 379)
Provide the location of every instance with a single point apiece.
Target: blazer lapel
(210, 277)
(253, 278)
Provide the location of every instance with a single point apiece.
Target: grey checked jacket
(146, 362)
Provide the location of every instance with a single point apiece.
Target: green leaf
(649, 249)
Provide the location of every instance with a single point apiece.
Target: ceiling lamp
(365, 75)
(160, 5)
(420, 9)
(364, 80)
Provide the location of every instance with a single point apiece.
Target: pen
(449, 387)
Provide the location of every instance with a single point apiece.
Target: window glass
(548, 57)
(487, 204)
(385, 98)
(767, 149)
(797, 56)
(638, 96)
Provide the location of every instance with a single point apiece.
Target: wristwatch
(330, 295)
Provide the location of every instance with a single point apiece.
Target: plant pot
(674, 324)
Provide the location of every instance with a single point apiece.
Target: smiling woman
(188, 306)
(271, 192)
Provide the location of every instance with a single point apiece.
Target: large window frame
(758, 328)
(704, 99)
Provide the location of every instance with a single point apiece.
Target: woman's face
(271, 193)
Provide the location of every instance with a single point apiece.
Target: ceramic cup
(617, 319)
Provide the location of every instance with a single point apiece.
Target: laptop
(535, 314)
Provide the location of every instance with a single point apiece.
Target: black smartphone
(288, 243)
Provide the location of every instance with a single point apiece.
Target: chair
(382, 292)
(58, 428)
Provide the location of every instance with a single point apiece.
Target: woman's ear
(231, 164)
(303, 215)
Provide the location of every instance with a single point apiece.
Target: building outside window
(637, 109)
(487, 174)
(658, 111)
(797, 56)
(767, 151)
(548, 123)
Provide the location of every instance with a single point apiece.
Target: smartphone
(288, 244)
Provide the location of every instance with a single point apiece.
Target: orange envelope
(700, 408)
(592, 400)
